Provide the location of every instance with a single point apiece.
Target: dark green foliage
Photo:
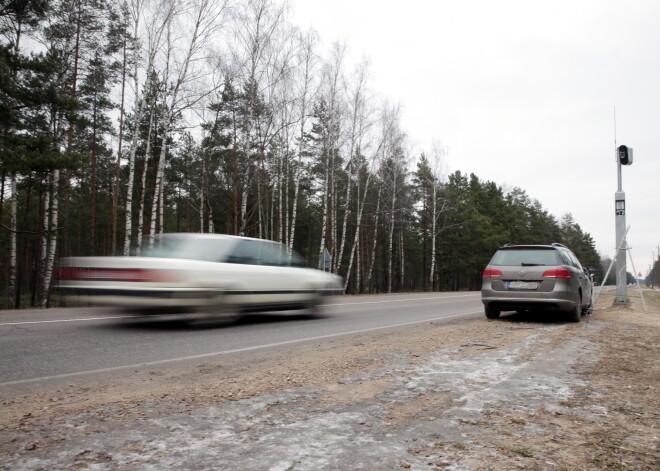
(481, 217)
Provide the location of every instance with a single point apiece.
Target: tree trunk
(115, 190)
(374, 241)
(358, 224)
(211, 224)
(161, 206)
(433, 235)
(160, 171)
(307, 77)
(347, 213)
(390, 255)
(52, 240)
(333, 214)
(12, 289)
(403, 262)
(202, 194)
(43, 249)
(143, 180)
(244, 197)
(325, 214)
(94, 185)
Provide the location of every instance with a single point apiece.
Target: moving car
(530, 277)
(210, 273)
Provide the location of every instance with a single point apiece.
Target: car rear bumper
(511, 301)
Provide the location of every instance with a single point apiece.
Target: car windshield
(525, 257)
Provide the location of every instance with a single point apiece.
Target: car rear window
(525, 257)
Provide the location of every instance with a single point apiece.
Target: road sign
(326, 260)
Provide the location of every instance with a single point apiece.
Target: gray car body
(513, 289)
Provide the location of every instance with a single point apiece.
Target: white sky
(523, 94)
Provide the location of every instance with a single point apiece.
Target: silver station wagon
(532, 277)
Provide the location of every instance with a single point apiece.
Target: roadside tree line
(123, 120)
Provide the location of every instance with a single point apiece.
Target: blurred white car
(210, 273)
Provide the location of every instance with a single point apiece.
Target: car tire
(313, 311)
(216, 310)
(491, 313)
(576, 314)
(315, 308)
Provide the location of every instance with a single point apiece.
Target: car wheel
(576, 313)
(492, 313)
(216, 310)
(315, 308)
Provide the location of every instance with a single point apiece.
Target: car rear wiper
(532, 264)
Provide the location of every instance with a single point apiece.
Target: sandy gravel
(520, 392)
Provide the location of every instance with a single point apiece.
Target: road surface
(64, 344)
(376, 384)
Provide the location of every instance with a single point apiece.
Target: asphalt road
(57, 345)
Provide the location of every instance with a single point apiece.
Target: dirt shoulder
(520, 392)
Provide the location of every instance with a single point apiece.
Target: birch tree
(120, 42)
(276, 132)
(154, 92)
(156, 25)
(256, 28)
(53, 211)
(358, 115)
(390, 135)
(367, 171)
(438, 153)
(205, 17)
(333, 78)
(306, 93)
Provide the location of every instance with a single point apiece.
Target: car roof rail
(509, 244)
(557, 244)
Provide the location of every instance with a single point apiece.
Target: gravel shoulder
(520, 392)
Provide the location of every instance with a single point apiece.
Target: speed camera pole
(624, 157)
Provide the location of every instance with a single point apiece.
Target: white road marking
(405, 300)
(227, 352)
(87, 319)
(68, 320)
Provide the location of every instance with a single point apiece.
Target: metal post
(621, 298)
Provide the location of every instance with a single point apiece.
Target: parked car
(210, 273)
(531, 277)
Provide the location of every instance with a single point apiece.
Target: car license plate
(522, 284)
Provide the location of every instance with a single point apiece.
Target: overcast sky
(522, 93)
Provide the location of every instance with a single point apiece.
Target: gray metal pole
(621, 298)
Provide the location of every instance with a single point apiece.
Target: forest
(121, 120)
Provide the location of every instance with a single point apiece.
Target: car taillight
(139, 275)
(491, 273)
(560, 273)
